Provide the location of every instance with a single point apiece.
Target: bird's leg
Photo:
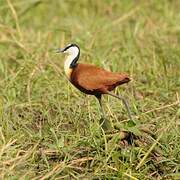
(130, 134)
(100, 103)
(124, 102)
(103, 121)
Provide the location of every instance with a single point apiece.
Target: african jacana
(90, 79)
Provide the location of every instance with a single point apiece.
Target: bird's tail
(124, 78)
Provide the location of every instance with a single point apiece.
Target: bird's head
(70, 49)
(73, 52)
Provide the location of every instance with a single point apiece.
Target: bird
(92, 80)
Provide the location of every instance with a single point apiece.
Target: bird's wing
(91, 77)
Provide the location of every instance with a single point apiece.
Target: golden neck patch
(68, 72)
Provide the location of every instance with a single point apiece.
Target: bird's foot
(105, 124)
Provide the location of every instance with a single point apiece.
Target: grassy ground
(48, 129)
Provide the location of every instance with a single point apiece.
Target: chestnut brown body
(94, 80)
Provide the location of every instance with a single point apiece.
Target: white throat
(72, 54)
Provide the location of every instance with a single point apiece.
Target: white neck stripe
(73, 52)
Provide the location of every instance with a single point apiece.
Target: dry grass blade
(162, 107)
(59, 167)
(6, 146)
(125, 16)
(176, 103)
(130, 176)
(152, 147)
(56, 169)
(15, 16)
(81, 160)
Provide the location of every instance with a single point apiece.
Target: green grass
(48, 129)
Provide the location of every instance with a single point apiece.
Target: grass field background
(48, 129)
